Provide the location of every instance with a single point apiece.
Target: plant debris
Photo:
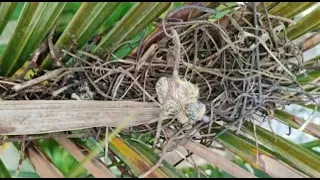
(242, 67)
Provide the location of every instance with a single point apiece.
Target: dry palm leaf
(44, 116)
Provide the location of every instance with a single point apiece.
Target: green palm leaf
(4, 173)
(34, 24)
(6, 11)
(295, 155)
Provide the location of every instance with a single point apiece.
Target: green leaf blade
(19, 38)
(34, 24)
(6, 11)
(4, 173)
(295, 155)
(136, 19)
(83, 26)
(304, 25)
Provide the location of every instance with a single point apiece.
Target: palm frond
(70, 31)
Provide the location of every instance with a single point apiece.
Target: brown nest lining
(241, 69)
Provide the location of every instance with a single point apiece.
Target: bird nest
(239, 66)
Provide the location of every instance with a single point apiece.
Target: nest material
(179, 98)
(239, 70)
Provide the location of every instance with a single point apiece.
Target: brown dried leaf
(42, 116)
(94, 167)
(41, 163)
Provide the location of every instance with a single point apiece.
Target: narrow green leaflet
(139, 16)
(121, 10)
(67, 14)
(310, 106)
(89, 17)
(296, 122)
(4, 173)
(308, 76)
(298, 157)
(17, 11)
(134, 159)
(215, 172)
(269, 5)
(34, 24)
(290, 9)
(246, 149)
(2, 49)
(6, 11)
(23, 174)
(60, 157)
(153, 157)
(19, 38)
(312, 144)
(304, 25)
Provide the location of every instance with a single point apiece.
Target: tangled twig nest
(179, 97)
(236, 69)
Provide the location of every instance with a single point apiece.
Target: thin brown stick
(48, 75)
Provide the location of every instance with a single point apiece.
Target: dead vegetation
(242, 68)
